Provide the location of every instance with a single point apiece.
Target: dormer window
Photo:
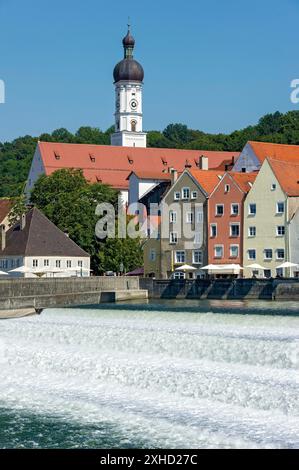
(57, 156)
(92, 158)
(164, 161)
(130, 160)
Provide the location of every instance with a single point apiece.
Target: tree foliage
(70, 202)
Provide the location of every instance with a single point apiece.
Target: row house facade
(182, 236)
(271, 220)
(225, 221)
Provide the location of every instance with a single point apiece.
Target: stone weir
(65, 292)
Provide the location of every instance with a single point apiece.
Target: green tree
(70, 202)
(117, 251)
(19, 207)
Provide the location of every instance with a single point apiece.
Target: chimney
(23, 221)
(204, 163)
(174, 175)
(3, 237)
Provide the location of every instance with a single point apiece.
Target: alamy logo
(2, 92)
(295, 93)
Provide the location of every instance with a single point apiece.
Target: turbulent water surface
(175, 375)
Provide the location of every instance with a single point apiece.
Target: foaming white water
(177, 379)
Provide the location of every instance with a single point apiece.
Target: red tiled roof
(112, 165)
(277, 151)
(5, 206)
(287, 175)
(151, 175)
(243, 180)
(208, 179)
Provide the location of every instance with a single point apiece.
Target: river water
(174, 375)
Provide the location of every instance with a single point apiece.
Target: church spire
(128, 43)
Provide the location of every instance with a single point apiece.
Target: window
(189, 217)
(178, 275)
(251, 254)
(172, 216)
(58, 263)
(197, 257)
(68, 264)
(35, 263)
(152, 254)
(133, 126)
(180, 257)
(243, 170)
(234, 210)
(280, 254)
(273, 187)
(197, 238)
(234, 230)
(280, 208)
(252, 209)
(219, 209)
(194, 195)
(185, 193)
(234, 251)
(173, 237)
(279, 272)
(213, 230)
(268, 254)
(176, 196)
(267, 273)
(80, 264)
(199, 216)
(227, 188)
(251, 231)
(46, 263)
(218, 251)
(280, 230)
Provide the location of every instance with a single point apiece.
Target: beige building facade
(268, 213)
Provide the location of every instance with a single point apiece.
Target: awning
(222, 268)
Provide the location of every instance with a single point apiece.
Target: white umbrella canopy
(211, 267)
(185, 267)
(3, 273)
(255, 266)
(231, 266)
(22, 269)
(287, 264)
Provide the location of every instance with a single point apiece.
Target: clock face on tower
(133, 104)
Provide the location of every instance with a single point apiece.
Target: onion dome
(128, 69)
(128, 40)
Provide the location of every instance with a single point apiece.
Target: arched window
(133, 126)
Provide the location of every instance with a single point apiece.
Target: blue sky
(215, 65)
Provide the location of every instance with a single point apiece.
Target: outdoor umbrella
(185, 267)
(287, 264)
(211, 267)
(21, 269)
(255, 266)
(2, 273)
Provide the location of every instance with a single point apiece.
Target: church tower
(128, 80)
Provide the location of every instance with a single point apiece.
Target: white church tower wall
(128, 80)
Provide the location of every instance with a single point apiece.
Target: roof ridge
(283, 162)
(272, 143)
(48, 221)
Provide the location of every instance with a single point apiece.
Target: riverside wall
(264, 289)
(60, 292)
